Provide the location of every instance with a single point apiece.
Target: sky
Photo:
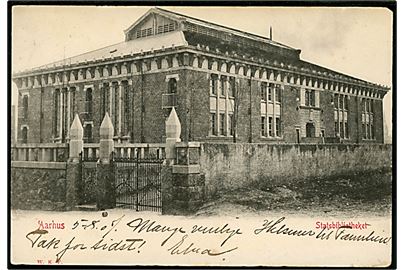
(354, 41)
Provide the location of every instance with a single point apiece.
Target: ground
(351, 194)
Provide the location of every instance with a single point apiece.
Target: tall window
(277, 90)
(310, 98)
(263, 87)
(346, 102)
(336, 101)
(56, 114)
(89, 103)
(213, 125)
(368, 119)
(231, 125)
(116, 108)
(346, 129)
(271, 94)
(65, 123)
(213, 84)
(232, 87)
(222, 91)
(88, 133)
(172, 85)
(341, 104)
(310, 130)
(306, 98)
(222, 124)
(73, 109)
(223, 85)
(126, 110)
(24, 135)
(105, 99)
(25, 107)
(263, 126)
(278, 127)
(270, 124)
(336, 128)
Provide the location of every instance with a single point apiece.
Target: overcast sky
(355, 41)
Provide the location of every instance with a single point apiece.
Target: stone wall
(230, 166)
(38, 185)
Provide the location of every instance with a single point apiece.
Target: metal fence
(88, 183)
(138, 183)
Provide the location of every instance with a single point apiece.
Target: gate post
(105, 169)
(188, 189)
(173, 130)
(73, 176)
(183, 184)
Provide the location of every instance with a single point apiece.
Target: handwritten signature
(176, 240)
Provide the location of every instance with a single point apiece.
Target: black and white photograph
(202, 136)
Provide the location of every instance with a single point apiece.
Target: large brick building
(221, 81)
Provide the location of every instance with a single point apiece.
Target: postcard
(201, 136)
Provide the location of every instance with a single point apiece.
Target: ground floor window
(278, 127)
(24, 135)
(213, 124)
(270, 125)
(231, 125)
(263, 126)
(222, 124)
(310, 130)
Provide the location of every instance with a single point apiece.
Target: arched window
(172, 86)
(310, 128)
(24, 134)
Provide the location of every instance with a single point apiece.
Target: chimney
(271, 34)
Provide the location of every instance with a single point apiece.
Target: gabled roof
(180, 17)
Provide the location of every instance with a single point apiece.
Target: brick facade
(191, 64)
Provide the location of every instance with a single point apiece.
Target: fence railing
(45, 152)
(140, 150)
(59, 152)
(91, 151)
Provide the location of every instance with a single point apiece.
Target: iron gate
(88, 183)
(138, 183)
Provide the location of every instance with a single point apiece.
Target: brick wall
(197, 85)
(353, 120)
(327, 113)
(194, 112)
(378, 121)
(290, 113)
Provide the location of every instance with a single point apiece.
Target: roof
(182, 17)
(167, 40)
